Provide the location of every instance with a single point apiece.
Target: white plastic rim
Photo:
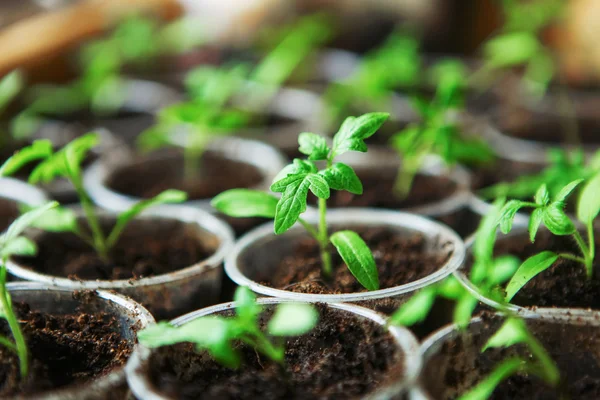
(22, 192)
(434, 342)
(142, 387)
(265, 158)
(345, 217)
(133, 312)
(202, 219)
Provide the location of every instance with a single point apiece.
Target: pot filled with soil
(78, 342)
(454, 362)
(169, 259)
(116, 184)
(350, 353)
(13, 194)
(409, 251)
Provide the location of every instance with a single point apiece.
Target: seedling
(294, 183)
(13, 244)
(66, 163)
(564, 167)
(218, 334)
(550, 212)
(539, 364)
(486, 274)
(438, 130)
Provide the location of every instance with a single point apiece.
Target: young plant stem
(192, 153)
(548, 367)
(324, 240)
(588, 261)
(13, 323)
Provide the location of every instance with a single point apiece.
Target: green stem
(588, 262)
(591, 240)
(550, 371)
(309, 228)
(89, 210)
(192, 153)
(13, 323)
(324, 239)
(572, 257)
(257, 340)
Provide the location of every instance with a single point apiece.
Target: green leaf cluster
(295, 182)
(66, 163)
(218, 335)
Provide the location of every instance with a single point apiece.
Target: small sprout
(217, 334)
(10, 86)
(550, 213)
(297, 179)
(13, 244)
(66, 163)
(513, 332)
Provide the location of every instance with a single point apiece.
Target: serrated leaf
(542, 197)
(415, 309)
(313, 145)
(292, 202)
(357, 256)
(39, 149)
(245, 304)
(507, 215)
(534, 222)
(557, 221)
(354, 131)
(297, 167)
(588, 206)
(528, 270)
(484, 389)
(242, 203)
(293, 319)
(19, 246)
(342, 177)
(318, 185)
(566, 191)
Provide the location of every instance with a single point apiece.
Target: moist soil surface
(343, 357)
(9, 211)
(216, 174)
(460, 364)
(378, 191)
(146, 248)
(400, 259)
(564, 284)
(65, 350)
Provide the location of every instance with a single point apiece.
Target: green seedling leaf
(19, 246)
(39, 149)
(168, 196)
(542, 197)
(21, 223)
(512, 332)
(510, 49)
(244, 203)
(556, 220)
(245, 305)
(463, 310)
(484, 389)
(298, 166)
(507, 215)
(10, 86)
(357, 256)
(24, 125)
(416, 309)
(58, 219)
(293, 319)
(529, 269)
(314, 146)
(534, 222)
(483, 248)
(504, 268)
(342, 177)
(588, 206)
(566, 191)
(354, 131)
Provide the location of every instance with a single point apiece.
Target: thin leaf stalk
(588, 261)
(192, 152)
(13, 323)
(324, 240)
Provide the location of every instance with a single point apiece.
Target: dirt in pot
(564, 284)
(501, 171)
(343, 357)
(9, 211)
(460, 364)
(65, 351)
(147, 178)
(147, 247)
(400, 259)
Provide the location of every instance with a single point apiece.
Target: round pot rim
(95, 176)
(16, 190)
(186, 214)
(140, 316)
(403, 338)
(431, 343)
(354, 216)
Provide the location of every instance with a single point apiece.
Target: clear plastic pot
(256, 255)
(142, 387)
(130, 318)
(435, 364)
(166, 295)
(15, 193)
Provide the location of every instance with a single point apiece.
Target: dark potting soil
(343, 357)
(149, 178)
(564, 284)
(9, 211)
(65, 350)
(146, 248)
(501, 171)
(460, 364)
(400, 259)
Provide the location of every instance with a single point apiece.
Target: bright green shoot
(550, 212)
(217, 334)
(13, 244)
(297, 179)
(10, 86)
(513, 332)
(66, 163)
